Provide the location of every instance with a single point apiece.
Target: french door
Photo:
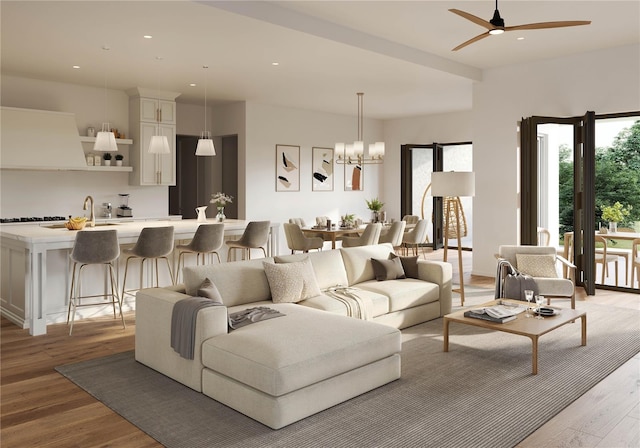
(418, 162)
(537, 188)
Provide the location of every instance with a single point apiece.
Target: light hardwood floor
(40, 408)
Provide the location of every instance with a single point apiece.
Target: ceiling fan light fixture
(496, 31)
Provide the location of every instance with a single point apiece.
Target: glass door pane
(460, 158)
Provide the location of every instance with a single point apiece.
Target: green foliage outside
(617, 179)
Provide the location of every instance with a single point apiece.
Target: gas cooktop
(33, 219)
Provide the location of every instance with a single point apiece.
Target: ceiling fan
(496, 25)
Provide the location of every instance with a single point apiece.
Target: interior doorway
(418, 163)
(197, 178)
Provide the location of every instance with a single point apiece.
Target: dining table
(333, 233)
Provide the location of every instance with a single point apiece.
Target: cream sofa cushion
(291, 282)
(239, 282)
(327, 265)
(357, 261)
(405, 293)
(379, 303)
(304, 347)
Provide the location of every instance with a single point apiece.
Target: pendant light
(105, 139)
(353, 153)
(159, 143)
(205, 144)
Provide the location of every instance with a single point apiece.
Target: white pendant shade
(105, 140)
(205, 147)
(159, 145)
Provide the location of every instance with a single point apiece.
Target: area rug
(479, 394)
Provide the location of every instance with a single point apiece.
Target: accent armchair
(542, 263)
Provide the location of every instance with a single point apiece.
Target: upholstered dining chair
(416, 236)
(299, 221)
(255, 236)
(296, 240)
(635, 261)
(207, 240)
(95, 247)
(393, 234)
(541, 263)
(411, 219)
(370, 236)
(153, 244)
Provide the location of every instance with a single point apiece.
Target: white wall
(270, 125)
(442, 128)
(605, 81)
(44, 193)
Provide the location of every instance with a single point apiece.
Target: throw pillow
(291, 282)
(409, 264)
(537, 265)
(209, 290)
(387, 269)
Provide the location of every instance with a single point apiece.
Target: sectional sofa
(328, 344)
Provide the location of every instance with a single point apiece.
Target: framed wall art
(353, 177)
(322, 167)
(287, 168)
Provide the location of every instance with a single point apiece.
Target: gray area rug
(480, 394)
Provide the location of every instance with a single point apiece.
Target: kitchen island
(35, 266)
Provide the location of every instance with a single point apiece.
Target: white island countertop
(29, 292)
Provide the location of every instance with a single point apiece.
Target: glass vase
(613, 227)
(220, 216)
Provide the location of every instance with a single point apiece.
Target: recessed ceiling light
(76, 66)
(193, 84)
(520, 38)
(148, 36)
(275, 63)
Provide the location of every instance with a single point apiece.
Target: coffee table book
(476, 314)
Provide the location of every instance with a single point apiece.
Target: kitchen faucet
(92, 218)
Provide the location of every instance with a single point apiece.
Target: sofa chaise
(315, 355)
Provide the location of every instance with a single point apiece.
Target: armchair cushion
(537, 265)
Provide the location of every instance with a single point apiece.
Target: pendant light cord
(205, 101)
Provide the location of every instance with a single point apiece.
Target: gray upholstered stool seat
(153, 243)
(207, 240)
(93, 247)
(255, 236)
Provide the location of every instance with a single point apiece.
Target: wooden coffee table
(529, 327)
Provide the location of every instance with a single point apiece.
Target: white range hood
(39, 140)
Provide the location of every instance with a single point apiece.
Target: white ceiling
(397, 52)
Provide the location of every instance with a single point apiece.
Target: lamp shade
(159, 145)
(105, 141)
(453, 183)
(205, 147)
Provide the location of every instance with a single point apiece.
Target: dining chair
(393, 234)
(544, 237)
(207, 240)
(604, 258)
(370, 236)
(255, 236)
(98, 247)
(153, 244)
(299, 221)
(296, 240)
(635, 257)
(416, 236)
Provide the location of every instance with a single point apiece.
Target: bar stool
(153, 243)
(255, 236)
(93, 247)
(207, 240)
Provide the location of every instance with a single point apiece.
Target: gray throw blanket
(252, 315)
(183, 323)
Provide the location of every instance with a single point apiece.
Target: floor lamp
(453, 185)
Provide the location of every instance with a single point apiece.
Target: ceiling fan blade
(470, 41)
(545, 25)
(474, 19)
